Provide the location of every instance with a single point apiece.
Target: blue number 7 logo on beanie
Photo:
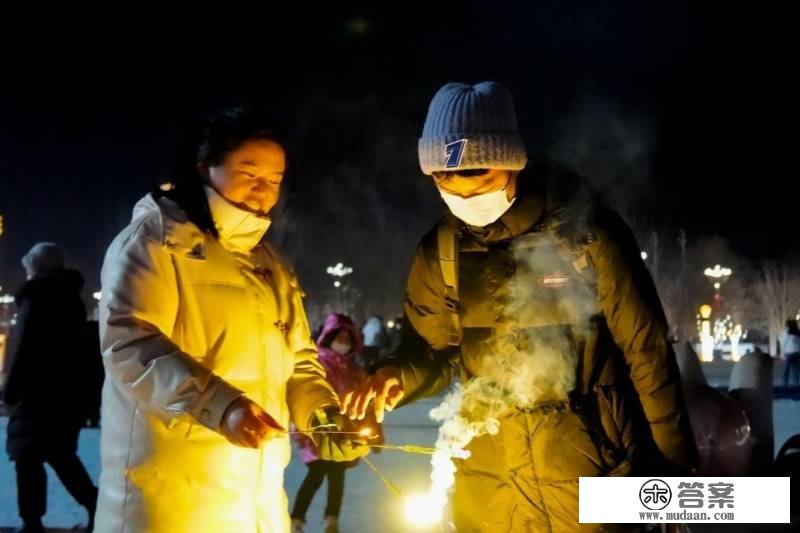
(453, 153)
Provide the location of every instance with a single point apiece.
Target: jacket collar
(178, 233)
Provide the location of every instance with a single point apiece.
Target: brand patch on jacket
(556, 280)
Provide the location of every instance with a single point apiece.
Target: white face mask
(479, 210)
(238, 229)
(342, 348)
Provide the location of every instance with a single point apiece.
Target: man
(531, 285)
(49, 360)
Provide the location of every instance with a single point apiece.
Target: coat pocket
(615, 419)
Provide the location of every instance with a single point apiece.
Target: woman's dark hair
(209, 143)
(791, 326)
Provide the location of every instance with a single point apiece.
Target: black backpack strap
(448, 261)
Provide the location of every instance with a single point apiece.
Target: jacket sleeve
(19, 366)
(308, 389)
(633, 312)
(137, 314)
(426, 362)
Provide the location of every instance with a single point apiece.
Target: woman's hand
(246, 424)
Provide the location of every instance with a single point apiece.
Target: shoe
(298, 525)
(331, 524)
(31, 527)
(90, 525)
(91, 508)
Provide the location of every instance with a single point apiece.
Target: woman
(206, 347)
(339, 345)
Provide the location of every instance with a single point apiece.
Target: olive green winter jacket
(557, 312)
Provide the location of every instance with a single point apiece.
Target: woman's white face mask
(480, 210)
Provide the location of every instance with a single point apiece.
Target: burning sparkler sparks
(421, 510)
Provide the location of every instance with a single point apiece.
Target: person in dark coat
(791, 353)
(47, 402)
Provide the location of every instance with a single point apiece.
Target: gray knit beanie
(469, 127)
(43, 258)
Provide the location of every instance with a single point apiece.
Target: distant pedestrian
(791, 353)
(48, 406)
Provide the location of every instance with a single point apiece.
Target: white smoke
(526, 367)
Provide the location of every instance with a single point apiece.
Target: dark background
(679, 112)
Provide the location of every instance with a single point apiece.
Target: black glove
(337, 446)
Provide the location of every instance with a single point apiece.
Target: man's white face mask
(480, 210)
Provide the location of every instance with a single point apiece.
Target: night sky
(675, 112)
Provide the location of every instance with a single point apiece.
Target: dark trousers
(32, 484)
(317, 471)
(792, 369)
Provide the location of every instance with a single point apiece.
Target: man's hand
(246, 424)
(342, 444)
(385, 387)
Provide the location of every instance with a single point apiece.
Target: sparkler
(325, 430)
(389, 485)
(298, 432)
(414, 448)
(367, 433)
(420, 509)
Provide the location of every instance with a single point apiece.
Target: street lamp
(339, 271)
(717, 276)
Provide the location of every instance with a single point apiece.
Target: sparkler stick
(389, 485)
(408, 448)
(422, 450)
(359, 433)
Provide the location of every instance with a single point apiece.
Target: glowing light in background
(718, 272)
(735, 335)
(706, 339)
(339, 270)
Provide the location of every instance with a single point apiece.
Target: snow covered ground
(368, 507)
